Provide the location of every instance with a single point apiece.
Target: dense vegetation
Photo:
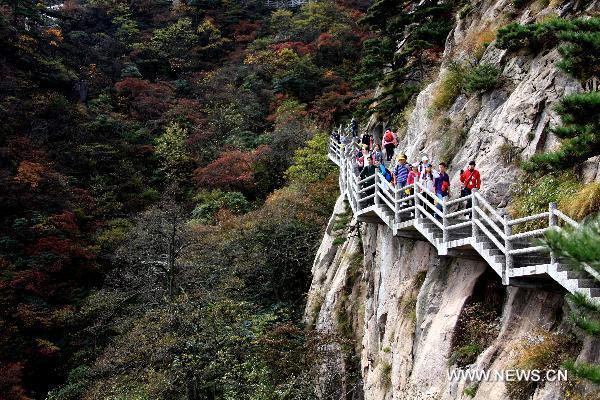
(164, 189)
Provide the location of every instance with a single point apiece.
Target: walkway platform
(479, 232)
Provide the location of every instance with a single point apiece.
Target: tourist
(427, 179)
(413, 176)
(400, 172)
(422, 164)
(469, 179)
(380, 166)
(442, 186)
(367, 140)
(367, 171)
(378, 154)
(390, 141)
(354, 127)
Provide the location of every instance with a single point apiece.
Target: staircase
(480, 229)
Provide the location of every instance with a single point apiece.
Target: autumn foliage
(233, 170)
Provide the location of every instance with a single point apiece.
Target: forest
(164, 188)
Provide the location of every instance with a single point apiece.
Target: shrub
(581, 54)
(585, 202)
(449, 87)
(534, 193)
(509, 153)
(211, 202)
(482, 78)
(386, 375)
(590, 326)
(591, 372)
(471, 390)
(542, 350)
(310, 162)
(476, 327)
(583, 302)
(465, 11)
(338, 240)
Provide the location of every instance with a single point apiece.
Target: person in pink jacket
(389, 142)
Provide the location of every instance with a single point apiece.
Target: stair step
(595, 292)
(499, 259)
(575, 274)
(587, 283)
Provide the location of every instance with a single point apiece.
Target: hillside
(166, 227)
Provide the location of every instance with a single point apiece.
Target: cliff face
(402, 305)
(405, 308)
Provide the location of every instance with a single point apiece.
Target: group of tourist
(370, 159)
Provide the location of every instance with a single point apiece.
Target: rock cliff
(413, 316)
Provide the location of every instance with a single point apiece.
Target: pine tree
(398, 58)
(580, 115)
(579, 41)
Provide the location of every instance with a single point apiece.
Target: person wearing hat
(422, 164)
(427, 179)
(469, 180)
(400, 172)
(367, 139)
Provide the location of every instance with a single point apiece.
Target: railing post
(444, 221)
(473, 214)
(552, 223)
(397, 197)
(415, 187)
(376, 197)
(509, 264)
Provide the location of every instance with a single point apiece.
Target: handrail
(528, 218)
(363, 190)
(366, 179)
(459, 212)
(426, 201)
(489, 207)
(485, 220)
(431, 217)
(387, 202)
(459, 200)
(566, 218)
(490, 222)
(490, 236)
(460, 225)
(526, 250)
(528, 234)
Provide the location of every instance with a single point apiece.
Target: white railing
(450, 223)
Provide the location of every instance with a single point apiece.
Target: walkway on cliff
(488, 234)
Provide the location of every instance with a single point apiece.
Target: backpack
(445, 187)
(389, 137)
(386, 173)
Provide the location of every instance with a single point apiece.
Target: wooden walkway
(487, 234)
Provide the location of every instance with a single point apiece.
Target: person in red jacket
(389, 142)
(469, 180)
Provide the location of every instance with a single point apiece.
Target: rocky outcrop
(403, 304)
